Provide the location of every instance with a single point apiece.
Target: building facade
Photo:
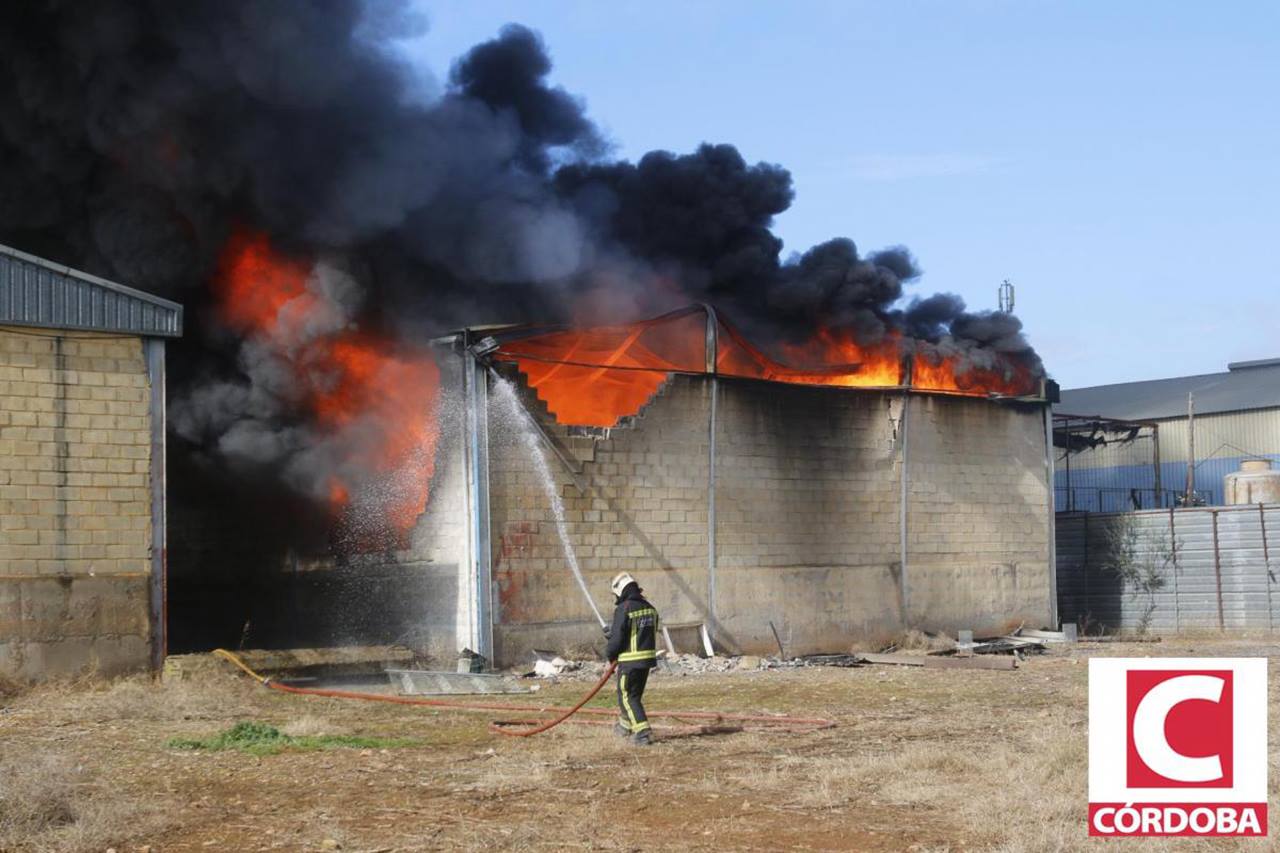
(82, 528)
(1142, 461)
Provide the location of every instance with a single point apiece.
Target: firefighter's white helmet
(620, 582)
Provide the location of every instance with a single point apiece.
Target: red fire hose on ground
(714, 721)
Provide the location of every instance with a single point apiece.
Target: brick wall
(75, 503)
(808, 518)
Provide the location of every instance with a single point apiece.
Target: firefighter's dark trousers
(630, 695)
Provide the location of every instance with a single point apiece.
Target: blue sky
(1118, 161)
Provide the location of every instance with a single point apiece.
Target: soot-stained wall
(808, 531)
(228, 588)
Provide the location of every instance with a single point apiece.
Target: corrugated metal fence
(1174, 569)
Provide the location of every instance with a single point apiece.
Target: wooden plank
(932, 662)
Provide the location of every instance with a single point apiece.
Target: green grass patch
(262, 739)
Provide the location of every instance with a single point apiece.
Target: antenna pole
(1006, 296)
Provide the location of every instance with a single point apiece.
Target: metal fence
(1170, 570)
(1120, 498)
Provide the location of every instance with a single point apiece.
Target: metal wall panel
(1100, 477)
(1220, 573)
(36, 292)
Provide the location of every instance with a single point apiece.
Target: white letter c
(1148, 728)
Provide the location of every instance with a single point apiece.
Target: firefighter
(633, 644)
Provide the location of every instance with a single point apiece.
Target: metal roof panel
(1246, 386)
(38, 292)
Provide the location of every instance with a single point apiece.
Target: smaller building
(82, 471)
(1128, 446)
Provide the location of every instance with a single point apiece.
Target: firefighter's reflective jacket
(634, 634)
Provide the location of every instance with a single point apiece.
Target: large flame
(371, 400)
(835, 359)
(596, 376)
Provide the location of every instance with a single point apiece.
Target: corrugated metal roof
(1246, 385)
(36, 292)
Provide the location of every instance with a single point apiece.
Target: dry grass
(932, 761)
(308, 725)
(911, 642)
(49, 802)
(10, 690)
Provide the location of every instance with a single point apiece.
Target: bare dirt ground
(922, 760)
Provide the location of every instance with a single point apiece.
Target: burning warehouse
(821, 454)
(809, 506)
(832, 500)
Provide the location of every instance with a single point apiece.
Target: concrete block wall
(808, 531)
(646, 512)
(978, 515)
(75, 503)
(807, 516)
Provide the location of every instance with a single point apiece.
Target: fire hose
(714, 720)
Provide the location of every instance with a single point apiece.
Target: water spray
(534, 440)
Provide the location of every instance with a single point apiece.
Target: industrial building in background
(1206, 440)
(1168, 503)
(82, 473)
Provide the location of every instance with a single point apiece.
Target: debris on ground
(829, 660)
(1001, 646)
(1069, 635)
(911, 648)
(549, 664)
(939, 661)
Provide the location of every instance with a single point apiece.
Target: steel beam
(711, 356)
(1052, 522)
(153, 349)
(476, 389)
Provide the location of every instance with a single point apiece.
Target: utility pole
(1191, 450)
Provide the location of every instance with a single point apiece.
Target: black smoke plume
(137, 137)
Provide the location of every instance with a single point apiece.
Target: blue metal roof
(37, 292)
(1246, 385)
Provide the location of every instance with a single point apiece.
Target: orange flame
(371, 397)
(949, 375)
(844, 363)
(595, 377)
